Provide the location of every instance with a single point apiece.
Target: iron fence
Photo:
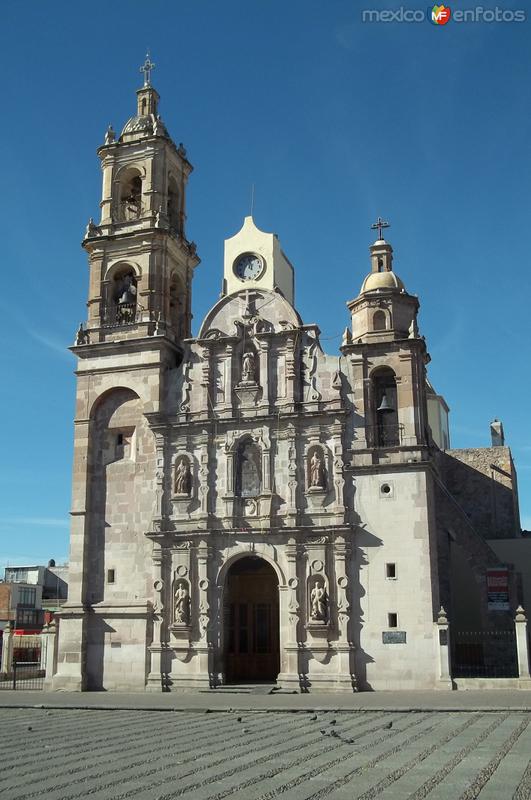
(25, 672)
(484, 654)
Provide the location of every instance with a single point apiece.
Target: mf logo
(440, 15)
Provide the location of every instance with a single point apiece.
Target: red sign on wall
(498, 589)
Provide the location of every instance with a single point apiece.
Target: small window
(392, 620)
(380, 265)
(110, 575)
(119, 440)
(390, 570)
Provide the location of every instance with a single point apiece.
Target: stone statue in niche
(248, 470)
(318, 602)
(182, 604)
(183, 477)
(248, 367)
(316, 471)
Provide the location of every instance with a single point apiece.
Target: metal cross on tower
(146, 68)
(379, 225)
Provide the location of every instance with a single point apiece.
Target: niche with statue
(318, 601)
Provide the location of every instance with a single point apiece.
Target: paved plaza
(210, 754)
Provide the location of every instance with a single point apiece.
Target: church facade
(245, 506)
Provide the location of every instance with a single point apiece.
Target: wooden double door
(251, 622)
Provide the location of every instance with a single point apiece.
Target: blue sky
(335, 122)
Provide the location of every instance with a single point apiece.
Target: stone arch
(384, 430)
(251, 630)
(121, 293)
(259, 550)
(379, 320)
(128, 183)
(174, 204)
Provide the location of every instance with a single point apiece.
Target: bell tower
(141, 263)
(388, 362)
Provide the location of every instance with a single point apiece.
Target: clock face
(248, 267)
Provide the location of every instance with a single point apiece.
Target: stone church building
(245, 506)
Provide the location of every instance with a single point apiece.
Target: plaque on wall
(394, 637)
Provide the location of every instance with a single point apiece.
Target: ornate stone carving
(187, 387)
(318, 600)
(110, 135)
(183, 477)
(248, 367)
(181, 603)
(82, 336)
(316, 471)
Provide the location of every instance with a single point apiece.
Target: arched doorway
(251, 622)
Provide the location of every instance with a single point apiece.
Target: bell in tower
(141, 263)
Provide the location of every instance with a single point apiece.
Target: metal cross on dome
(146, 68)
(379, 225)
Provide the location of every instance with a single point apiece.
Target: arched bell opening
(130, 195)
(384, 401)
(251, 640)
(174, 207)
(123, 303)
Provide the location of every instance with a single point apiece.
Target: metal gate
(25, 672)
(484, 654)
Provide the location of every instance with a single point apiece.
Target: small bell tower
(388, 363)
(141, 262)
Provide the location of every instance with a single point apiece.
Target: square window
(390, 570)
(392, 620)
(110, 576)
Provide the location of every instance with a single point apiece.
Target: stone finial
(442, 619)
(496, 433)
(347, 337)
(520, 615)
(413, 332)
(110, 135)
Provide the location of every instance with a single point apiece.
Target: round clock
(248, 267)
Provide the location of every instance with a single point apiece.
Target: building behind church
(247, 507)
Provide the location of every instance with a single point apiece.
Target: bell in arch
(384, 405)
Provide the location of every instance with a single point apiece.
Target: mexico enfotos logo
(440, 15)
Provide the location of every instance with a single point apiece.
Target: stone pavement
(111, 753)
(260, 698)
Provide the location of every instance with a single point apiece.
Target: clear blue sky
(335, 122)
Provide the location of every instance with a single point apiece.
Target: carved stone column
(339, 481)
(291, 499)
(205, 382)
(290, 369)
(289, 619)
(157, 670)
(202, 646)
(229, 350)
(264, 371)
(345, 668)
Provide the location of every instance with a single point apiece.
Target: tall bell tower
(141, 263)
(141, 266)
